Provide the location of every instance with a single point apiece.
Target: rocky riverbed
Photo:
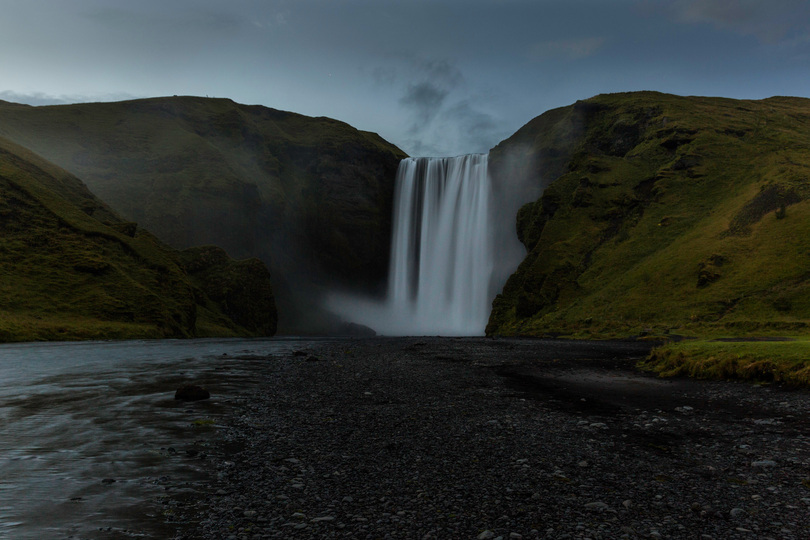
(479, 438)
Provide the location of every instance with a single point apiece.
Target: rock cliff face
(660, 213)
(72, 269)
(311, 197)
(238, 289)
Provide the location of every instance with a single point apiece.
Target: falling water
(441, 268)
(441, 257)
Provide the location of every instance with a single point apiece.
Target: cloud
(768, 22)
(424, 99)
(38, 98)
(477, 130)
(447, 116)
(433, 81)
(568, 49)
(441, 72)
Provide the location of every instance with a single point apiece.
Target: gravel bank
(477, 438)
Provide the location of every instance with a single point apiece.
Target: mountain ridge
(311, 197)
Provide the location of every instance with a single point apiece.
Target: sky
(436, 78)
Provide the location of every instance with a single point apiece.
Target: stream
(91, 437)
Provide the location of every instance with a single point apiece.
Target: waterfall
(441, 253)
(451, 250)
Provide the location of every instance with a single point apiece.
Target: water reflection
(92, 440)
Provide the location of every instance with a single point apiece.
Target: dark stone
(706, 277)
(191, 392)
(687, 162)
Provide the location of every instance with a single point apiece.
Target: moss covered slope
(311, 197)
(662, 214)
(71, 269)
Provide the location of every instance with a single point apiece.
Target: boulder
(191, 392)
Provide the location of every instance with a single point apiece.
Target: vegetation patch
(764, 361)
(70, 268)
(661, 215)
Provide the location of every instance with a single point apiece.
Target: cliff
(660, 214)
(311, 197)
(72, 269)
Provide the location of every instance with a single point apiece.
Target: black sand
(479, 438)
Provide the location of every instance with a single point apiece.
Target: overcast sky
(441, 77)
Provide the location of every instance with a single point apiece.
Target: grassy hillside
(311, 197)
(71, 269)
(662, 215)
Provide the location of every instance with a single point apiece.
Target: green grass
(663, 215)
(66, 274)
(785, 362)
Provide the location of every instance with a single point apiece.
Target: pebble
(597, 505)
(737, 513)
(450, 449)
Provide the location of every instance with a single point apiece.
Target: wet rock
(191, 392)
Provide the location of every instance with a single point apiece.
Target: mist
(453, 246)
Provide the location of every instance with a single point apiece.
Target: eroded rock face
(192, 392)
(241, 289)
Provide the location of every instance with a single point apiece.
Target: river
(92, 441)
